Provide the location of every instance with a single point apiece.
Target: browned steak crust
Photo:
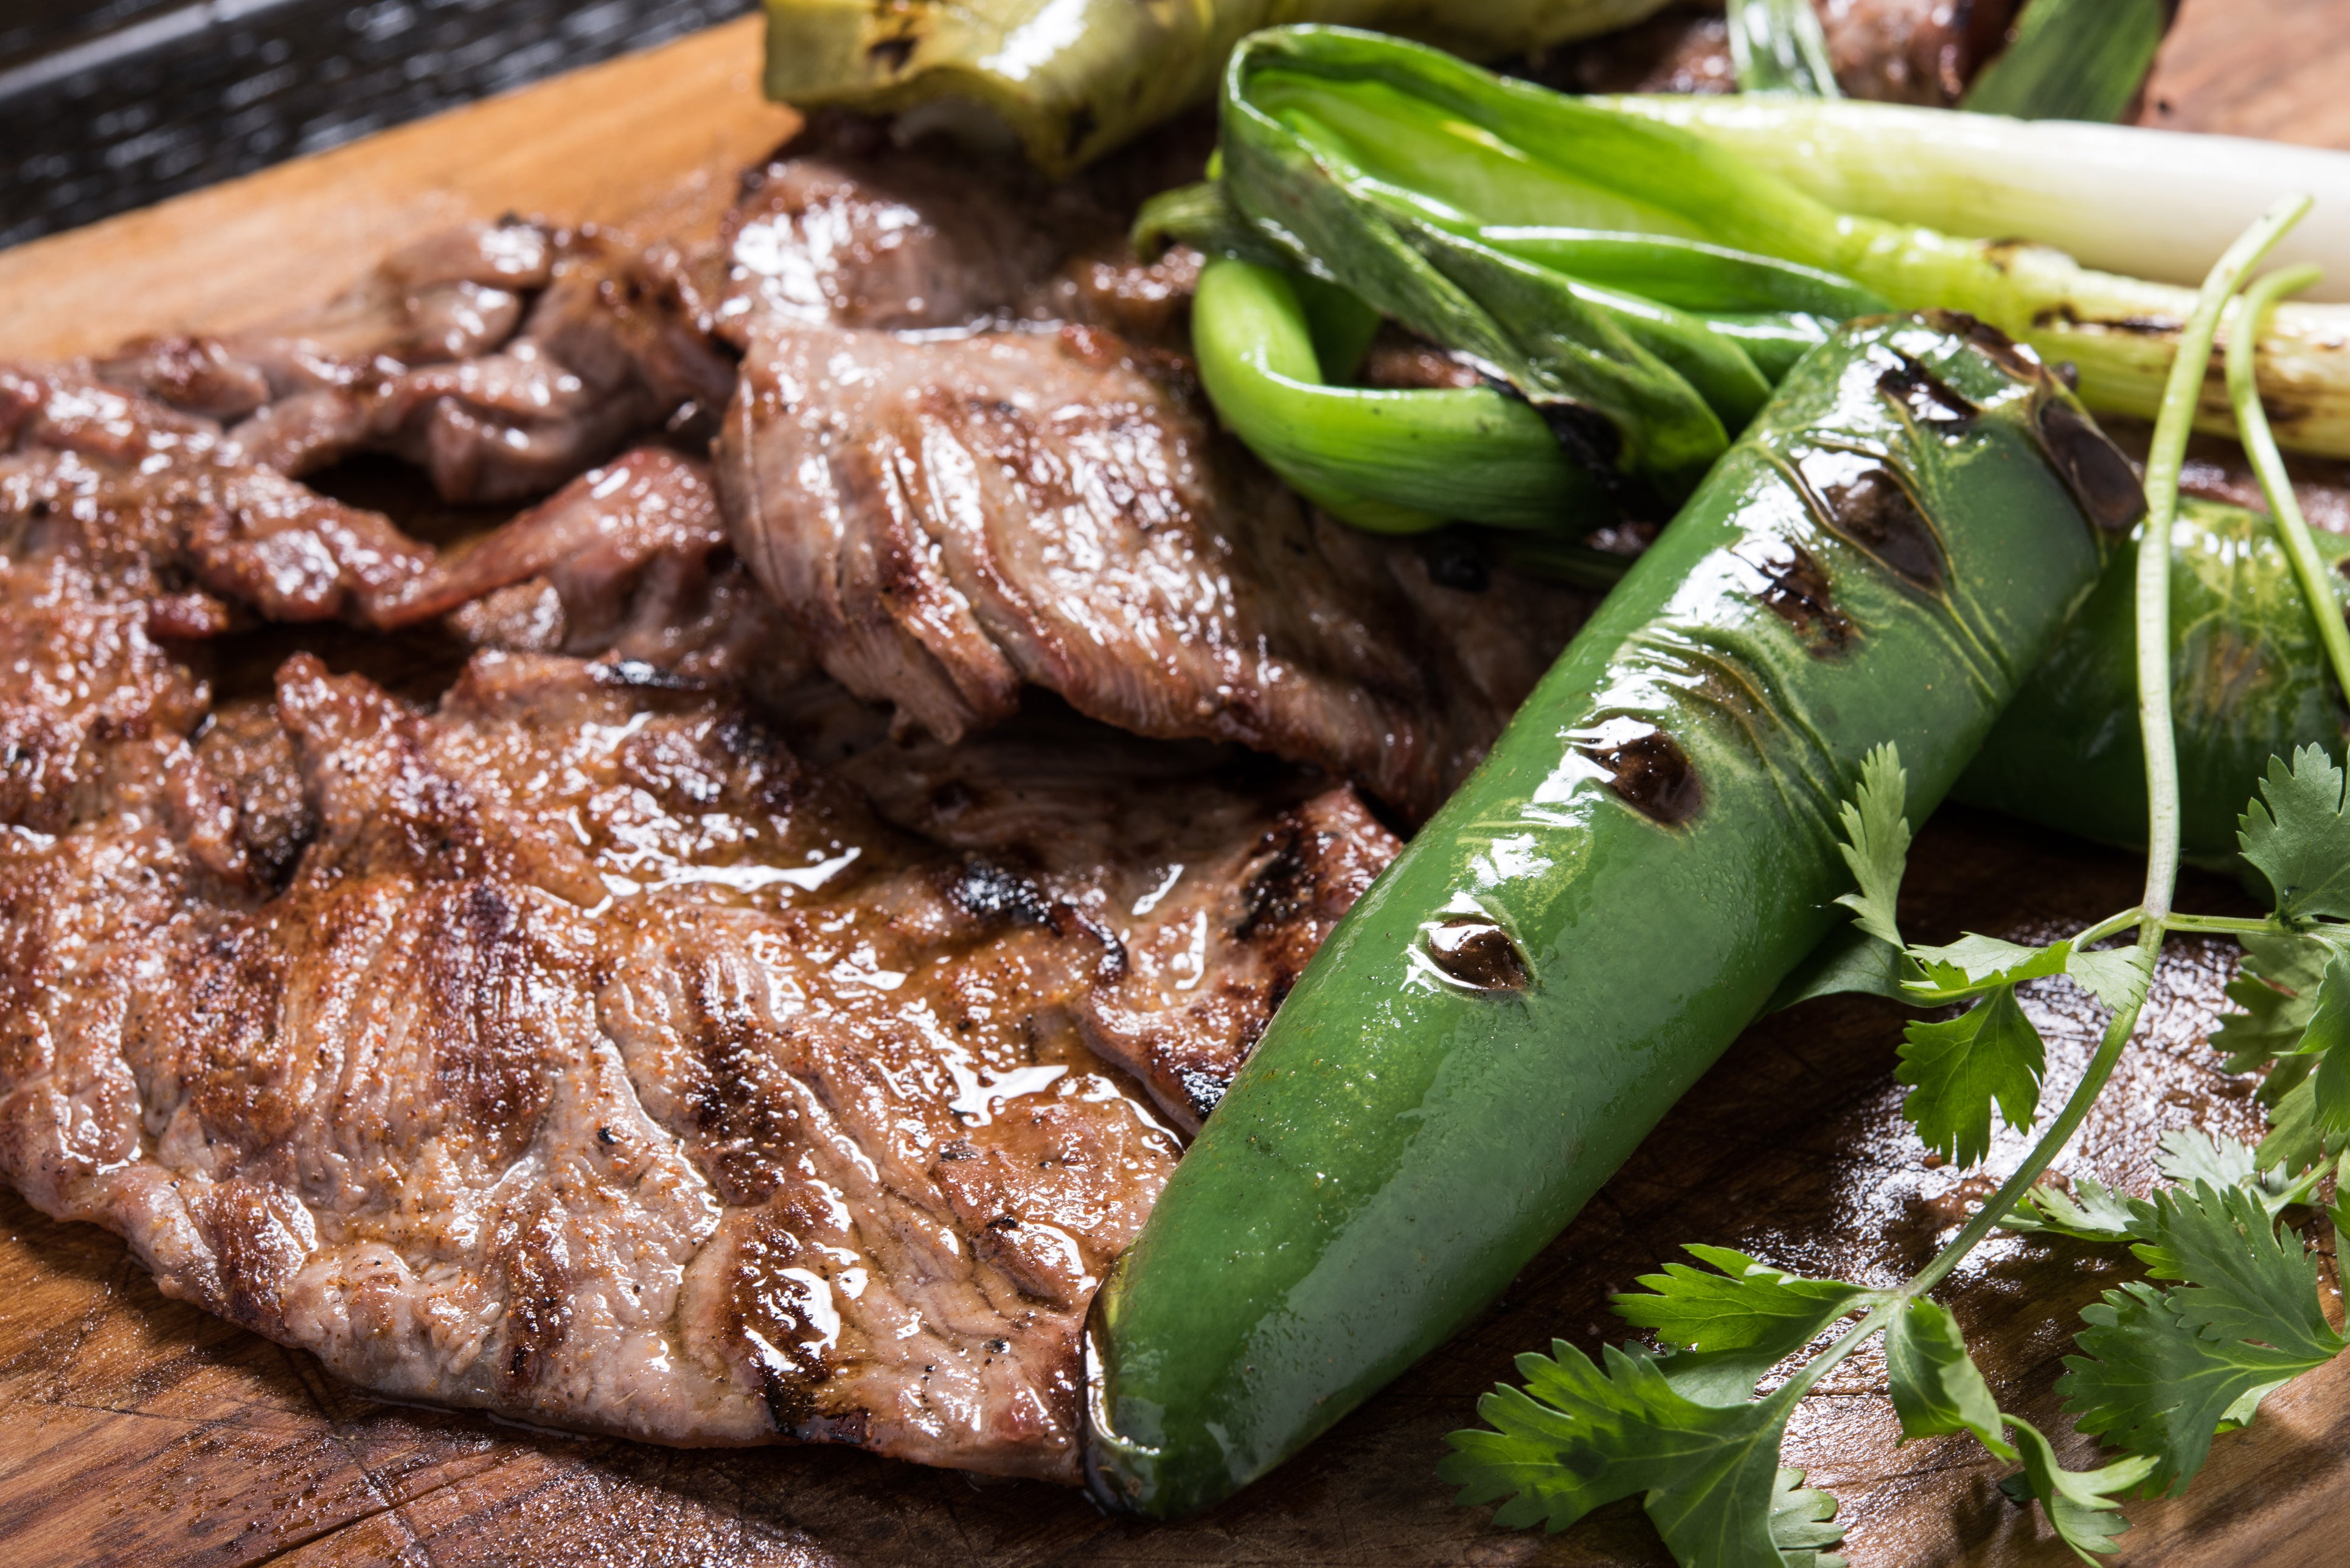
(1040, 499)
(567, 1047)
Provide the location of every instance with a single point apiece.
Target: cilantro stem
(2109, 926)
(2225, 925)
(2180, 396)
(2152, 917)
(2259, 445)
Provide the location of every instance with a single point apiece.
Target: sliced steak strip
(609, 350)
(156, 506)
(844, 225)
(1215, 903)
(952, 519)
(450, 296)
(629, 563)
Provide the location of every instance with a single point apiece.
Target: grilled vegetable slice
(1592, 917)
(1073, 78)
(1451, 149)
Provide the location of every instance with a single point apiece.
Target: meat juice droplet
(1478, 954)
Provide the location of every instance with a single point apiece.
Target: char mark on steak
(155, 505)
(844, 225)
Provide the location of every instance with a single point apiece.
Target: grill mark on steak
(953, 518)
(628, 563)
(155, 505)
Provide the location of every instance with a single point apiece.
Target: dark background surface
(109, 107)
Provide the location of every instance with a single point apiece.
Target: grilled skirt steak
(567, 1047)
(1028, 492)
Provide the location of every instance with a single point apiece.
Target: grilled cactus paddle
(1073, 80)
(1592, 919)
(2250, 682)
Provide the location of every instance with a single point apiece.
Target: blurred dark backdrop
(108, 107)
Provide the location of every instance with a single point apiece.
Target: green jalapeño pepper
(2250, 682)
(1590, 921)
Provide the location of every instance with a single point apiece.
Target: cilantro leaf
(1937, 1387)
(2189, 1154)
(2167, 1370)
(1576, 1437)
(2118, 977)
(2294, 1140)
(2079, 1503)
(2297, 838)
(1977, 965)
(1734, 1325)
(1958, 1068)
(2152, 1384)
(2325, 1037)
(1876, 842)
(2243, 1279)
(2092, 1211)
(2277, 987)
(1800, 1523)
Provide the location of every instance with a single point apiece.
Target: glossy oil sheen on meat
(567, 1046)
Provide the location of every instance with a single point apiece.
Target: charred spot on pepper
(1993, 345)
(1654, 777)
(1474, 951)
(2103, 482)
(2062, 315)
(1863, 501)
(1795, 588)
(1594, 444)
(891, 54)
(1929, 399)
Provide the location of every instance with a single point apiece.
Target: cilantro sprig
(2231, 1308)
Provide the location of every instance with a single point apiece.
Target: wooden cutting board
(139, 1431)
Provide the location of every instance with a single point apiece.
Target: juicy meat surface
(610, 349)
(156, 506)
(567, 1047)
(844, 225)
(1039, 499)
(629, 562)
(502, 358)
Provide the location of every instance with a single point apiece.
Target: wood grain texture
(654, 139)
(136, 1431)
